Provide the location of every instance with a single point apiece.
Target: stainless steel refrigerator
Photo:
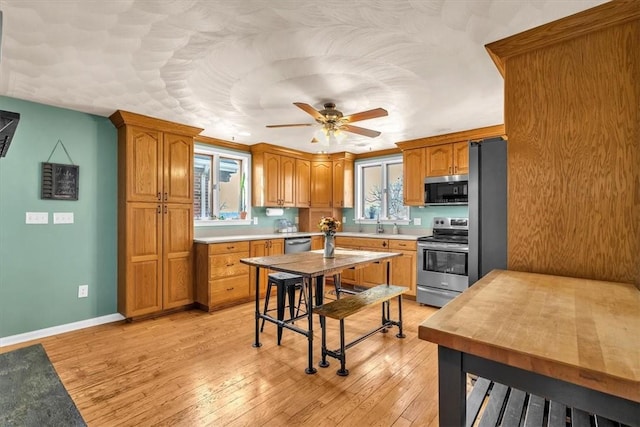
(487, 207)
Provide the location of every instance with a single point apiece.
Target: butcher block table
(572, 340)
(311, 265)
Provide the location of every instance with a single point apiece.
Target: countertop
(578, 330)
(245, 237)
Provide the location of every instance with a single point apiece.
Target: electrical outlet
(417, 221)
(63, 217)
(83, 291)
(344, 219)
(37, 218)
(255, 220)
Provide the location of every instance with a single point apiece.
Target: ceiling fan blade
(310, 110)
(365, 115)
(291, 125)
(360, 131)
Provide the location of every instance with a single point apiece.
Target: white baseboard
(55, 330)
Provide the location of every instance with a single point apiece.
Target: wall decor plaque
(60, 181)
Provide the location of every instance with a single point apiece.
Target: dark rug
(31, 393)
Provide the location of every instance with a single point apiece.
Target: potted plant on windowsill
(243, 203)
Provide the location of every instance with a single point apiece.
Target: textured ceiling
(234, 66)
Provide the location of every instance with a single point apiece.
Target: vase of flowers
(328, 225)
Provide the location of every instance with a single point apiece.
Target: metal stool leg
(302, 298)
(291, 293)
(266, 304)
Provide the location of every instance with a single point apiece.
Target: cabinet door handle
(401, 244)
(165, 208)
(384, 244)
(455, 168)
(165, 196)
(159, 209)
(159, 196)
(230, 247)
(230, 289)
(231, 265)
(449, 169)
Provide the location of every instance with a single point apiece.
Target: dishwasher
(294, 245)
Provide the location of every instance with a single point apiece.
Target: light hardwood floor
(197, 369)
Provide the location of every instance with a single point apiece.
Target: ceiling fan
(333, 121)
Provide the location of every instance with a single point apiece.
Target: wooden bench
(344, 307)
(494, 404)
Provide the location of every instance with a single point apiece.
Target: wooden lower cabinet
(372, 274)
(317, 242)
(263, 248)
(156, 258)
(221, 279)
(403, 268)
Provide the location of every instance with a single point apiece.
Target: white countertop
(244, 237)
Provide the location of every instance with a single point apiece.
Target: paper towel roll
(275, 212)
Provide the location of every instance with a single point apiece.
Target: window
(379, 190)
(221, 186)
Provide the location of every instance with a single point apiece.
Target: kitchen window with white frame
(379, 190)
(221, 194)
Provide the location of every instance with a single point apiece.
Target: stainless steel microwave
(446, 190)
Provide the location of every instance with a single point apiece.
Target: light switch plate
(37, 218)
(63, 217)
(417, 221)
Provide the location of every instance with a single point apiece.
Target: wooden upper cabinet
(287, 181)
(448, 159)
(460, 158)
(414, 174)
(303, 183)
(278, 180)
(439, 160)
(159, 166)
(343, 183)
(271, 179)
(178, 169)
(321, 184)
(143, 164)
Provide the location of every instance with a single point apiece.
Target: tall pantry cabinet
(155, 214)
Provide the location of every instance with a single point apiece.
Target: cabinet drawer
(227, 247)
(362, 243)
(403, 245)
(229, 289)
(228, 265)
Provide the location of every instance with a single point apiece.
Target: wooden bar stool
(285, 283)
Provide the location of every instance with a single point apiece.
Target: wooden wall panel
(573, 121)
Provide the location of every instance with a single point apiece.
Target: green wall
(41, 266)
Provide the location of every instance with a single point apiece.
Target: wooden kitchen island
(575, 341)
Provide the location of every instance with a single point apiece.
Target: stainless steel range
(443, 261)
